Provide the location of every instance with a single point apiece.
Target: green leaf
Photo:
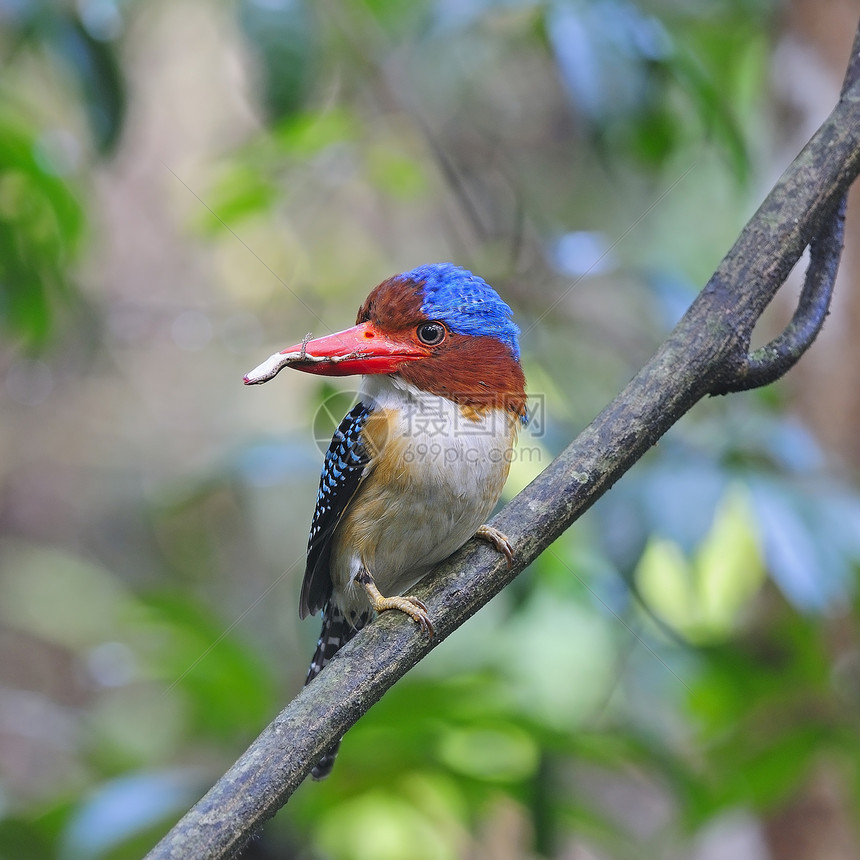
(23, 838)
(95, 66)
(395, 173)
(242, 190)
(728, 565)
(228, 687)
(41, 224)
(664, 579)
(59, 597)
(703, 598)
(499, 753)
(380, 825)
(771, 775)
(306, 134)
(284, 36)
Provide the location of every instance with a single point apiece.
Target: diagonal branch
(701, 356)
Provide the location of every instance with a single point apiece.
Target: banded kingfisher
(418, 464)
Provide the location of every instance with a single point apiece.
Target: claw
(499, 540)
(412, 606)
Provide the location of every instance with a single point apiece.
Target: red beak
(358, 350)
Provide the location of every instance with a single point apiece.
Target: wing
(344, 468)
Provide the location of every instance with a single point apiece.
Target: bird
(417, 465)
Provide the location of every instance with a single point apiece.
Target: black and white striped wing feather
(344, 468)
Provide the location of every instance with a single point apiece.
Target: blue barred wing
(344, 468)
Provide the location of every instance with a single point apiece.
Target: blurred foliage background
(186, 187)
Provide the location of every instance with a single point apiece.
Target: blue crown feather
(466, 303)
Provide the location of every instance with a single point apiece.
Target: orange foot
(412, 606)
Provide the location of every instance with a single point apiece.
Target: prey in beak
(362, 349)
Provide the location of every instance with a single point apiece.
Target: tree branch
(776, 358)
(706, 353)
(770, 362)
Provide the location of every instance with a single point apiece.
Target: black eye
(431, 333)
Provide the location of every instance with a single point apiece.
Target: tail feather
(336, 631)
